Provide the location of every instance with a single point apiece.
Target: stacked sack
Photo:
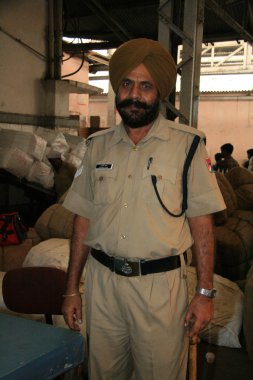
(27, 154)
(70, 148)
(20, 153)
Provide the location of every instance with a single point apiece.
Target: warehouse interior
(168, 21)
(34, 106)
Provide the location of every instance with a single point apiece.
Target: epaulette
(184, 128)
(98, 133)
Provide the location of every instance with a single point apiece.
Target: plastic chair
(34, 290)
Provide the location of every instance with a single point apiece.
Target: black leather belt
(129, 268)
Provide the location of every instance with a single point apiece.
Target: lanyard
(187, 163)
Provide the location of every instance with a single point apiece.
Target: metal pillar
(191, 55)
(111, 116)
(58, 39)
(191, 35)
(164, 37)
(54, 39)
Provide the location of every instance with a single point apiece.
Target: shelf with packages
(28, 198)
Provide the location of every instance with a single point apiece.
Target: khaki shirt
(113, 189)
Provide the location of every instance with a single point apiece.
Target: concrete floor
(229, 364)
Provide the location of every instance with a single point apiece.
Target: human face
(137, 100)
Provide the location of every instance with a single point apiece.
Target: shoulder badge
(88, 141)
(209, 164)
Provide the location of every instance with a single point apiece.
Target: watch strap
(210, 293)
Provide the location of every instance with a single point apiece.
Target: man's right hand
(72, 311)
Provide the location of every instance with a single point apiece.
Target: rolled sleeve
(205, 204)
(78, 205)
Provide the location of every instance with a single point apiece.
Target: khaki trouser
(136, 325)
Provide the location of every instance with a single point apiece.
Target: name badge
(104, 166)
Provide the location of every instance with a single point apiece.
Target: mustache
(130, 102)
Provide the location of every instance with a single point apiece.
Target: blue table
(32, 350)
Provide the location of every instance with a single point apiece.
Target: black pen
(150, 160)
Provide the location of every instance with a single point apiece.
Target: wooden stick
(193, 358)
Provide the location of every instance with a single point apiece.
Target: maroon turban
(152, 55)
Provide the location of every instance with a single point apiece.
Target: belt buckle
(126, 268)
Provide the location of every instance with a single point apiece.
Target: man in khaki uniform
(138, 317)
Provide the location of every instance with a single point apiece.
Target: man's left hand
(199, 314)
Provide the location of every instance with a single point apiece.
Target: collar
(119, 133)
(158, 130)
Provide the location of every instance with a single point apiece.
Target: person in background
(137, 314)
(250, 159)
(217, 167)
(228, 162)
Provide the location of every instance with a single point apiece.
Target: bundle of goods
(28, 142)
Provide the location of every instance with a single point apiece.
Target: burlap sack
(245, 196)
(239, 176)
(55, 222)
(248, 313)
(221, 217)
(241, 180)
(228, 193)
(234, 246)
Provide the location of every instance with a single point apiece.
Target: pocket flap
(162, 172)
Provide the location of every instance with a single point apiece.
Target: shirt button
(160, 176)
(101, 178)
(123, 236)
(135, 148)
(129, 175)
(125, 205)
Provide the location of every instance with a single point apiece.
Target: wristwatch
(210, 293)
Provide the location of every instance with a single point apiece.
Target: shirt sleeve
(204, 195)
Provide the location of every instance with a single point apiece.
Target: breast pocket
(106, 186)
(167, 184)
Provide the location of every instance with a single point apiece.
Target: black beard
(137, 119)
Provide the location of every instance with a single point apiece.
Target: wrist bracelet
(210, 293)
(70, 295)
